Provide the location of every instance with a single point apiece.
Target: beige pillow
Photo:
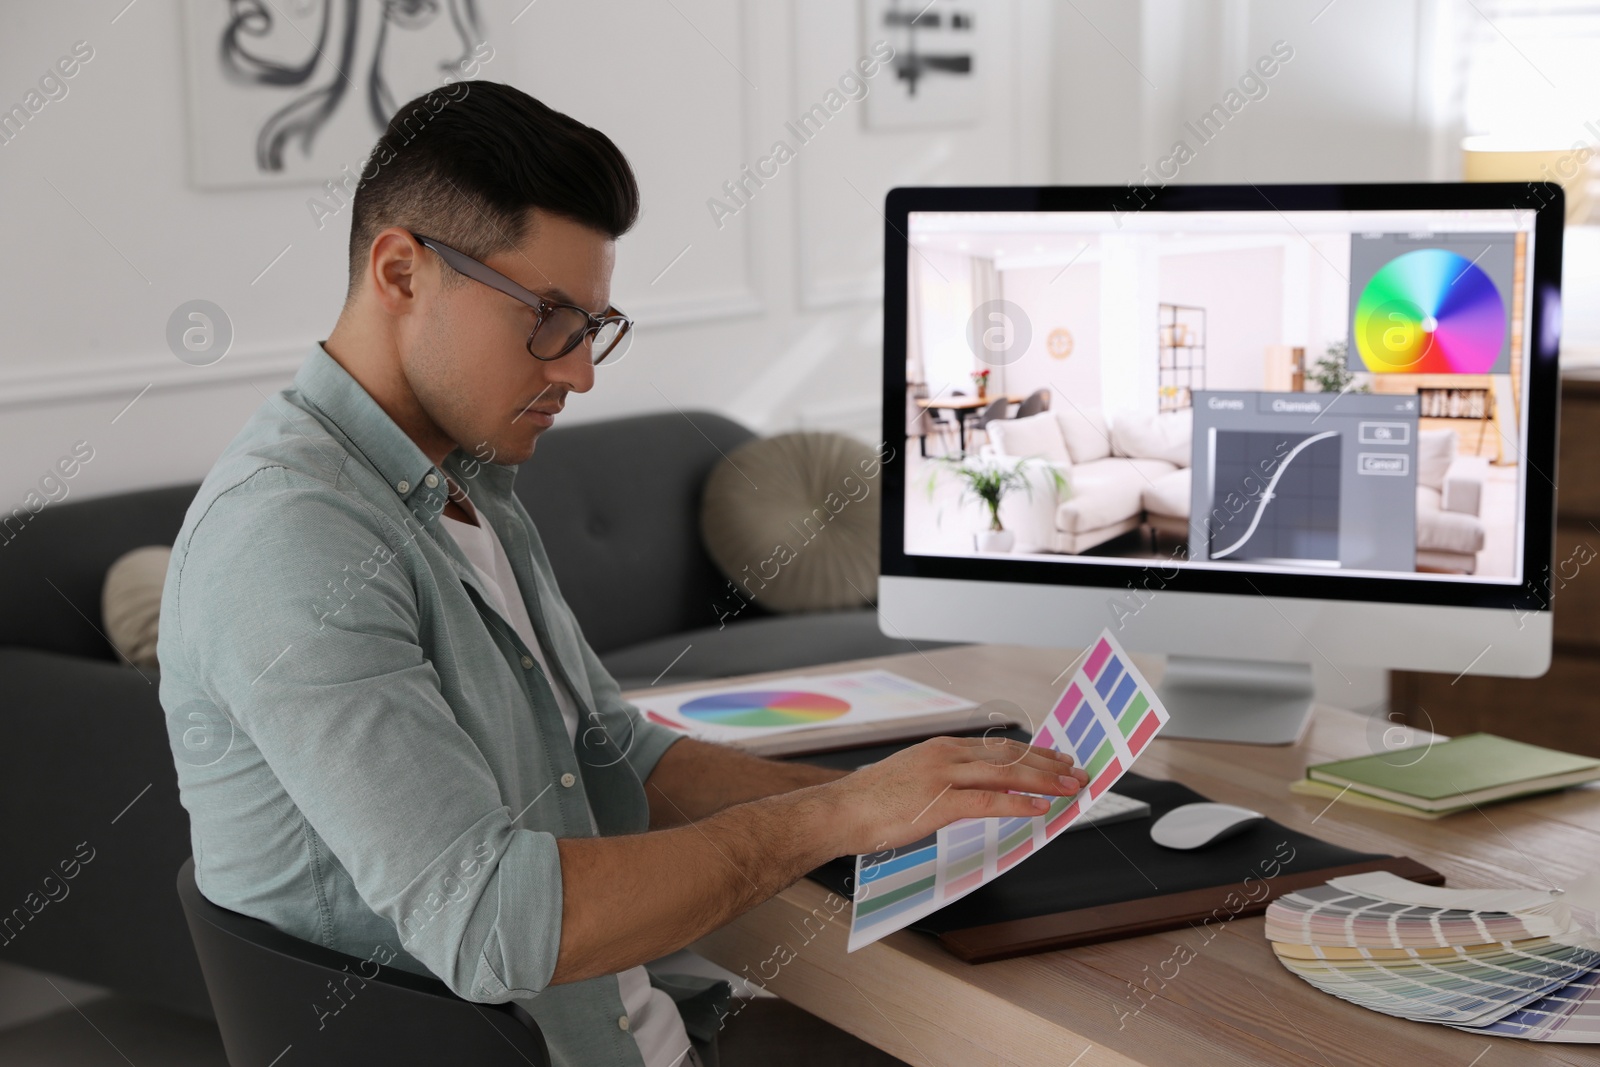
(130, 602)
(1436, 450)
(1150, 435)
(1084, 430)
(792, 521)
(1035, 435)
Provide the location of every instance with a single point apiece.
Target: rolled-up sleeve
(347, 711)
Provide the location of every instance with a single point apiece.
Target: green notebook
(1472, 769)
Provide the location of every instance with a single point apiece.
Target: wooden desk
(965, 403)
(1232, 1003)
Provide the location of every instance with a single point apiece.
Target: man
(425, 763)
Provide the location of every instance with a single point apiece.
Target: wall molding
(123, 377)
(823, 294)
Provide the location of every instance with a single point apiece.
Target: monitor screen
(1304, 396)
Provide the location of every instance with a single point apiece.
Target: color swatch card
(1106, 717)
(784, 705)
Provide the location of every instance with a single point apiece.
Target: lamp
(1498, 158)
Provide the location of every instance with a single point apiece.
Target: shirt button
(404, 487)
(431, 480)
(527, 662)
(567, 779)
(622, 1022)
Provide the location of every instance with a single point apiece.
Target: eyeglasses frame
(482, 272)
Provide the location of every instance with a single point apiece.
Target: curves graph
(1430, 311)
(1268, 493)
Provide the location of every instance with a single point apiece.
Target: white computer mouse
(1198, 825)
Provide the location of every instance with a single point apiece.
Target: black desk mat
(1101, 883)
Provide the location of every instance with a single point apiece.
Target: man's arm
(694, 779)
(629, 898)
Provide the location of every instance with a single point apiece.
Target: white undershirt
(653, 1017)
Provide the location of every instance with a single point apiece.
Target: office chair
(273, 992)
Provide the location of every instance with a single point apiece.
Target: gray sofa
(85, 763)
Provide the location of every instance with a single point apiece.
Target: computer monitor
(1251, 427)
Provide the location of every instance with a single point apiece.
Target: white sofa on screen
(1137, 472)
(1133, 473)
(1450, 531)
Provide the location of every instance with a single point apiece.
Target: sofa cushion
(747, 646)
(130, 602)
(1166, 435)
(57, 565)
(1463, 484)
(87, 741)
(1037, 435)
(1084, 431)
(792, 520)
(1445, 531)
(1107, 491)
(1168, 495)
(1436, 450)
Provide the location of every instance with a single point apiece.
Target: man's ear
(394, 263)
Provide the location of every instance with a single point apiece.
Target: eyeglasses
(558, 328)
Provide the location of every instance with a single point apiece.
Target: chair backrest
(996, 410)
(617, 503)
(273, 992)
(1033, 403)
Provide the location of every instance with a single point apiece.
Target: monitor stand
(1243, 701)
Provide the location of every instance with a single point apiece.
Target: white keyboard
(1111, 807)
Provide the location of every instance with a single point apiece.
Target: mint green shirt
(370, 756)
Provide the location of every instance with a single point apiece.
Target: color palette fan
(1510, 963)
(1430, 311)
(1105, 718)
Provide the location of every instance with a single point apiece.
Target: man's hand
(630, 898)
(909, 795)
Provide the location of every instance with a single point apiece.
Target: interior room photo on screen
(1331, 391)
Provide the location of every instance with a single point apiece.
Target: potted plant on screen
(980, 378)
(987, 480)
(1332, 373)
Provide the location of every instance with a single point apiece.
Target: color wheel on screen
(765, 707)
(1430, 312)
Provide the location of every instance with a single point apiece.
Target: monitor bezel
(1544, 199)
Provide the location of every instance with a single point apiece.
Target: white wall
(1242, 293)
(772, 318)
(1057, 298)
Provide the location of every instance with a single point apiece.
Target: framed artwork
(292, 91)
(937, 65)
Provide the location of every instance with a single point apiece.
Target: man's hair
(464, 165)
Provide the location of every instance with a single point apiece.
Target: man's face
(468, 361)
